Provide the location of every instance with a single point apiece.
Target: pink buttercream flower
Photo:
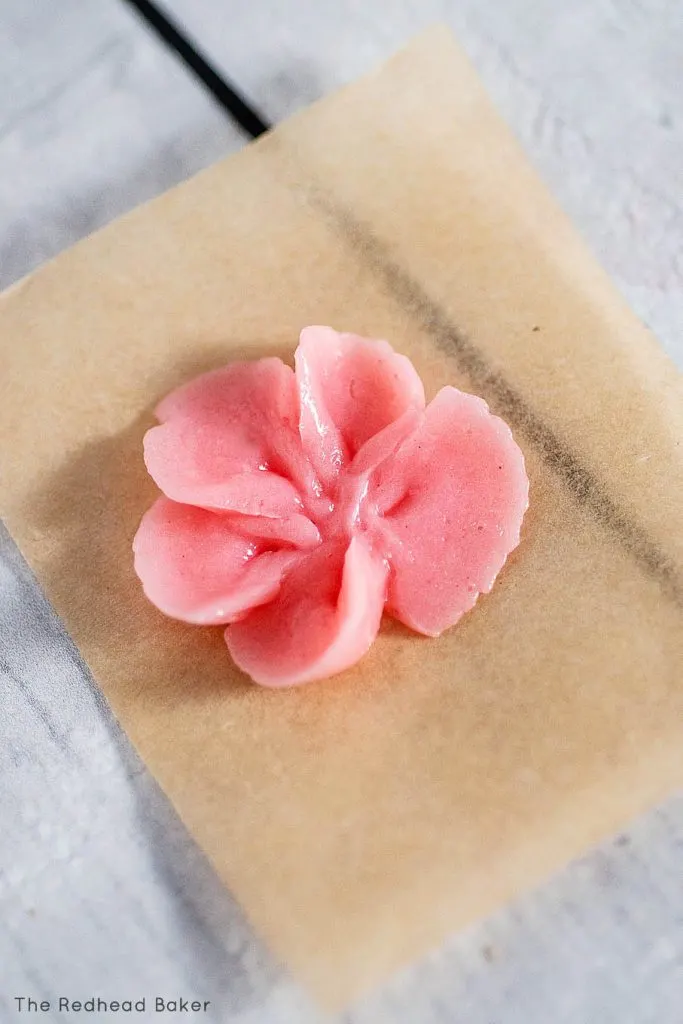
(299, 504)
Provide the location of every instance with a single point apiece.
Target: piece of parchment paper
(361, 819)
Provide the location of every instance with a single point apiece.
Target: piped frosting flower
(298, 505)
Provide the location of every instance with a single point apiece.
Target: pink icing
(299, 504)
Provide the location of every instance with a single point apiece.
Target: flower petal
(383, 444)
(451, 503)
(324, 619)
(297, 530)
(195, 567)
(350, 388)
(228, 440)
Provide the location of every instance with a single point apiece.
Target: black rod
(224, 94)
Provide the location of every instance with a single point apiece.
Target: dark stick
(222, 92)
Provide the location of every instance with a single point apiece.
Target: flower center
(342, 515)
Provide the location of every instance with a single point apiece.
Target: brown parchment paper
(360, 820)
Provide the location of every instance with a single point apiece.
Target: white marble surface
(101, 890)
